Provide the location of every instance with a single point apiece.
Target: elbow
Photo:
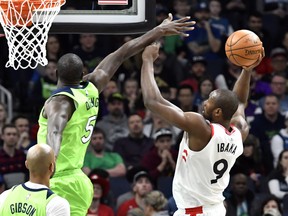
(149, 103)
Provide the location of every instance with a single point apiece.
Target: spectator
(155, 123)
(278, 185)
(279, 142)
(165, 70)
(270, 206)
(234, 11)
(204, 40)
(97, 157)
(185, 98)
(101, 188)
(155, 204)
(12, 160)
(131, 93)
(107, 199)
(217, 21)
(265, 126)
(206, 86)
(42, 87)
(142, 184)
(249, 163)
(161, 159)
(115, 122)
(182, 8)
(129, 177)
(255, 24)
(3, 118)
(53, 48)
(133, 147)
(278, 63)
(22, 123)
(278, 88)
(231, 73)
(89, 50)
(197, 71)
(240, 201)
(110, 88)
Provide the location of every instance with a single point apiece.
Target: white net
(26, 25)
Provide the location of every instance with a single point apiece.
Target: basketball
(243, 48)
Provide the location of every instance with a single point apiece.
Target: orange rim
(21, 13)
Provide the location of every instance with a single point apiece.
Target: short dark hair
(8, 126)
(228, 102)
(98, 130)
(268, 199)
(204, 78)
(19, 117)
(255, 13)
(70, 68)
(185, 86)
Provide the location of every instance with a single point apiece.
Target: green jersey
(78, 131)
(109, 160)
(22, 200)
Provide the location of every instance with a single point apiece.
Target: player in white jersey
(211, 142)
(34, 197)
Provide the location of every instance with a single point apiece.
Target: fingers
(170, 17)
(183, 19)
(263, 52)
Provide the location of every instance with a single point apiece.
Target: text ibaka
(226, 147)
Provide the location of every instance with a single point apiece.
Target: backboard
(104, 17)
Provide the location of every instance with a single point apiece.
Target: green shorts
(76, 188)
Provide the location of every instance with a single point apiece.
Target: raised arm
(58, 111)
(153, 100)
(242, 89)
(106, 69)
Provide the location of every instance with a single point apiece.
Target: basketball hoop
(26, 24)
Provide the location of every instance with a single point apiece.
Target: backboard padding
(137, 20)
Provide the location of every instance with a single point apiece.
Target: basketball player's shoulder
(58, 204)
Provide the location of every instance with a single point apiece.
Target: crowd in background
(136, 148)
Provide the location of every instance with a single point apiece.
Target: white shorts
(207, 210)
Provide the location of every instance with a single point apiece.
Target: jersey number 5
(220, 172)
(89, 128)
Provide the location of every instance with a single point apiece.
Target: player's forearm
(136, 45)
(150, 90)
(119, 170)
(242, 86)
(54, 139)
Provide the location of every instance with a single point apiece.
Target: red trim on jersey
(194, 211)
(228, 132)
(212, 130)
(184, 158)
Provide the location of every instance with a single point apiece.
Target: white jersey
(57, 206)
(201, 177)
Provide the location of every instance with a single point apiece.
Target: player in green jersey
(68, 116)
(34, 197)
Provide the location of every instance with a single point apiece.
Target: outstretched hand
(151, 52)
(175, 27)
(251, 67)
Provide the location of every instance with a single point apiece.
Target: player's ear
(218, 112)
(26, 164)
(81, 76)
(51, 167)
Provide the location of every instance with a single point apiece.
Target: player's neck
(39, 180)
(61, 84)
